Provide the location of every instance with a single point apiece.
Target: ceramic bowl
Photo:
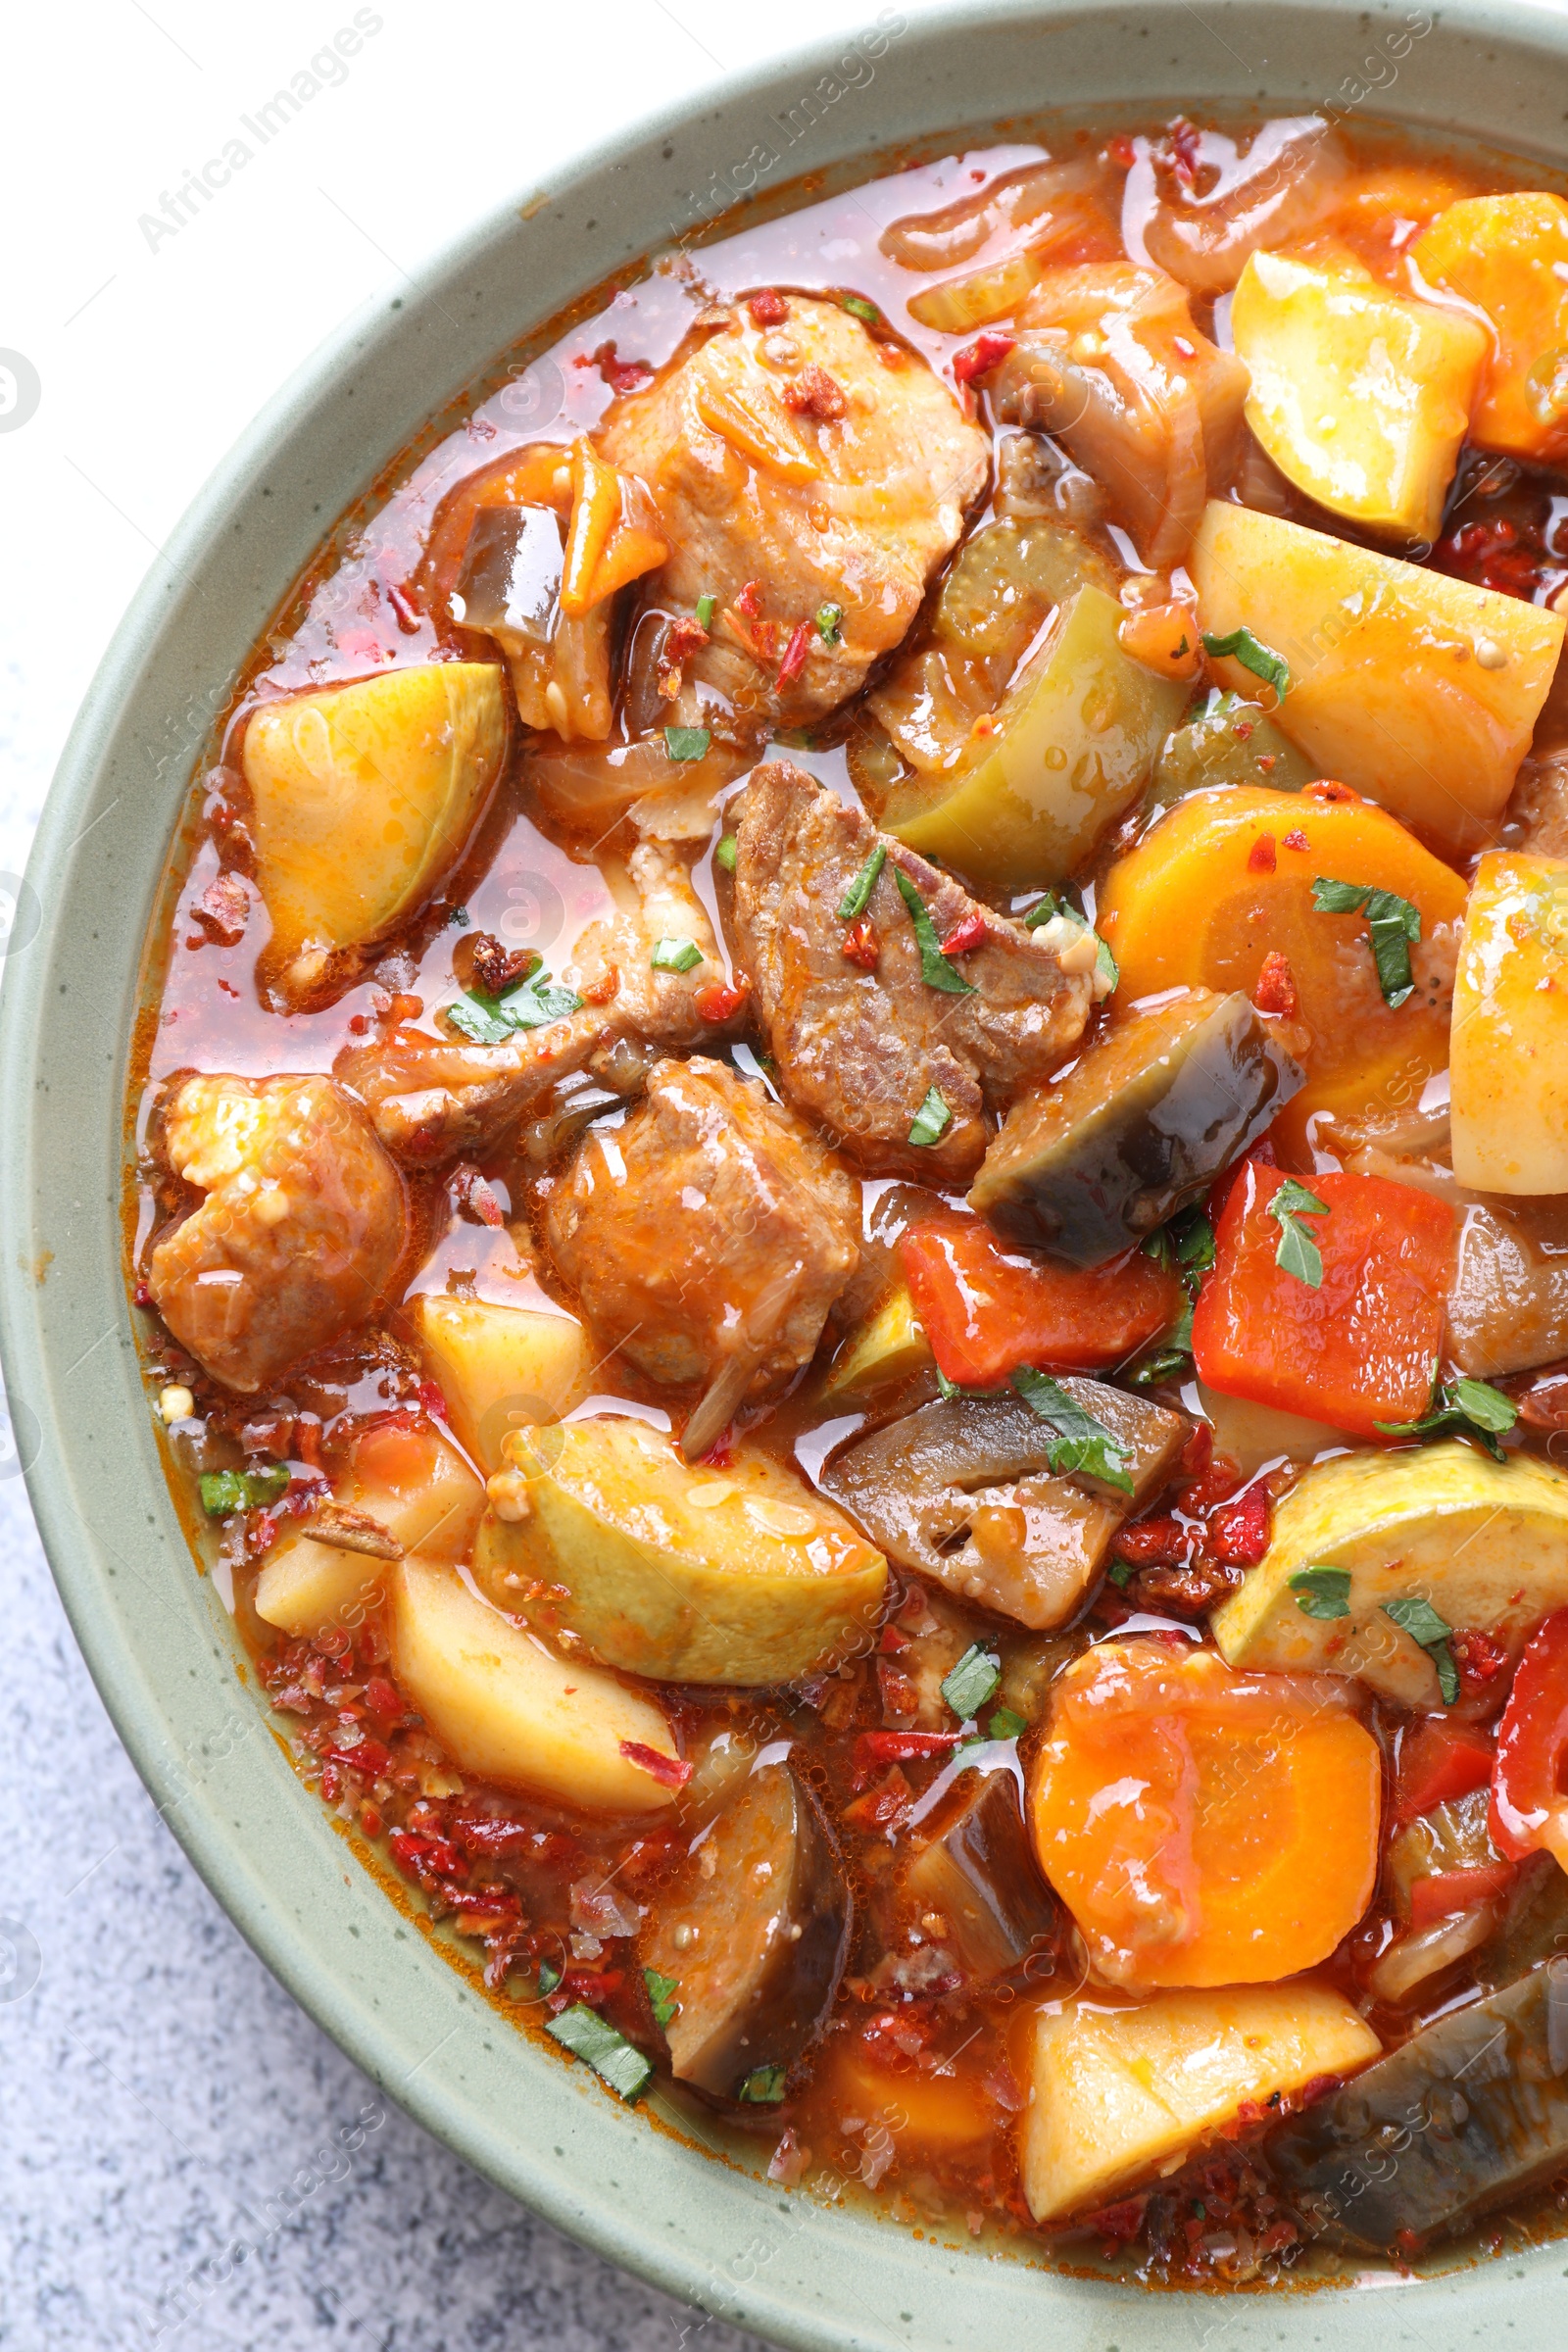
(156, 1637)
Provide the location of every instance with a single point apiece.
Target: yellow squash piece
(1073, 744)
(498, 1367)
(1361, 396)
(887, 1347)
(306, 1586)
(1508, 1055)
(364, 798)
(1509, 256)
(1417, 690)
(690, 1575)
(510, 1710)
(1115, 2093)
(1486, 1543)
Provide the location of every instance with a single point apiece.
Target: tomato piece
(1442, 1893)
(1438, 1761)
(986, 1310)
(1359, 1348)
(1529, 1811)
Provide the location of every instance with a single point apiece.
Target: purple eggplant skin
(757, 1943)
(1471, 2112)
(978, 1872)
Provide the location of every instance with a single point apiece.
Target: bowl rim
(708, 2233)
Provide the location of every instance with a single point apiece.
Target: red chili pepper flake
(860, 944)
(815, 393)
(367, 1757)
(893, 1641)
(475, 1195)
(621, 375)
(750, 600)
(1238, 1532)
(795, 653)
(875, 1748)
(1155, 1544)
(1215, 1482)
(717, 1003)
(1276, 990)
(972, 932)
(1328, 788)
(1118, 2223)
(881, 1809)
(1296, 839)
(384, 1701)
(141, 1295)
(670, 1772)
(769, 308)
(684, 637)
(1186, 142)
(1121, 151)
(1244, 732)
(978, 358)
(1479, 1658)
(1260, 857)
(432, 1400)
(424, 1855)
(408, 617)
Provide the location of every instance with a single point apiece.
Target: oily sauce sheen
(850, 1218)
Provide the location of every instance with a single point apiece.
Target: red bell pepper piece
(1444, 1893)
(1529, 1811)
(1359, 1348)
(980, 357)
(1438, 1762)
(986, 1310)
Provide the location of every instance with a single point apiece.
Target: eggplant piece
(979, 1874)
(1140, 1124)
(755, 1936)
(1471, 2112)
(510, 582)
(962, 1491)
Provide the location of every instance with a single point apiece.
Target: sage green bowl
(800, 2269)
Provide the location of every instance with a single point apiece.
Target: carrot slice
(1205, 1826)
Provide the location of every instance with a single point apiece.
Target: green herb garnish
(1121, 1574)
(1420, 1620)
(1048, 908)
(675, 955)
(859, 308)
(1185, 1247)
(725, 854)
(935, 969)
(1322, 1592)
(858, 896)
(1082, 1443)
(1298, 1252)
(228, 1490)
(1470, 1408)
(1043, 913)
(971, 1683)
(830, 623)
(532, 1002)
(704, 611)
(764, 2086)
(591, 2038)
(1006, 1725)
(1171, 1358)
(932, 1120)
(549, 1975)
(1393, 922)
(662, 1991)
(1253, 654)
(687, 743)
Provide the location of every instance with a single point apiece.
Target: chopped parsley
(1298, 1252)
(687, 743)
(830, 623)
(675, 955)
(1082, 1443)
(858, 896)
(935, 969)
(591, 2038)
(226, 1490)
(764, 2086)
(725, 854)
(662, 1991)
(1470, 1408)
(1322, 1592)
(1420, 1620)
(704, 611)
(972, 1681)
(1185, 1247)
(1393, 922)
(532, 1002)
(1253, 654)
(932, 1120)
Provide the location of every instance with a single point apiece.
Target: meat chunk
(860, 1050)
(708, 1238)
(798, 466)
(433, 1098)
(304, 1221)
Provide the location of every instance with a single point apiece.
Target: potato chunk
(1418, 690)
(1510, 1055)
(1361, 396)
(1485, 1543)
(510, 1709)
(1509, 256)
(1114, 2093)
(688, 1574)
(365, 797)
(498, 1367)
(303, 1223)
